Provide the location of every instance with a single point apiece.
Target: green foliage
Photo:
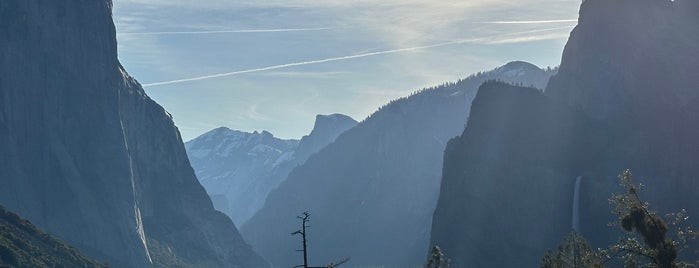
(23, 245)
(437, 259)
(663, 239)
(573, 252)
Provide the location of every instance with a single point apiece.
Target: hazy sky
(274, 64)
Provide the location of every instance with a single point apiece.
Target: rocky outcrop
(87, 156)
(372, 192)
(325, 130)
(626, 75)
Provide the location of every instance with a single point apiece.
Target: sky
(275, 64)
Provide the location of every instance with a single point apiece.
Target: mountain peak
(519, 65)
(516, 69)
(238, 169)
(332, 120)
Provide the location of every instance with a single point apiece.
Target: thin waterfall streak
(576, 205)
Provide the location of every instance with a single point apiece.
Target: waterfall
(576, 205)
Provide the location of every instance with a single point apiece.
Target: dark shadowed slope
(87, 156)
(632, 65)
(372, 192)
(627, 74)
(239, 169)
(23, 245)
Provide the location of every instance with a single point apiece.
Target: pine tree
(651, 241)
(437, 259)
(574, 252)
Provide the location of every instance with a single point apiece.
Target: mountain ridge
(387, 165)
(239, 169)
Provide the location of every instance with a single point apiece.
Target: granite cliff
(626, 94)
(88, 156)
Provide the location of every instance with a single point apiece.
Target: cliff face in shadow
(627, 76)
(507, 179)
(630, 60)
(630, 65)
(87, 156)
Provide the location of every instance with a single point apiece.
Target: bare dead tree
(305, 218)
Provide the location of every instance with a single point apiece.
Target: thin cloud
(529, 38)
(531, 21)
(254, 114)
(291, 74)
(230, 31)
(482, 40)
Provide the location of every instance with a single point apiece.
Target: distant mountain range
(625, 96)
(240, 169)
(372, 192)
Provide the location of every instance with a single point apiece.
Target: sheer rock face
(507, 178)
(628, 76)
(372, 192)
(631, 60)
(632, 65)
(86, 155)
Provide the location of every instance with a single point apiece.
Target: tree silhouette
(305, 218)
(574, 252)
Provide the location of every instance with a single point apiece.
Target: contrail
(529, 38)
(230, 31)
(530, 21)
(463, 41)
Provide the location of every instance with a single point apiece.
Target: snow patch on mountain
(239, 169)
